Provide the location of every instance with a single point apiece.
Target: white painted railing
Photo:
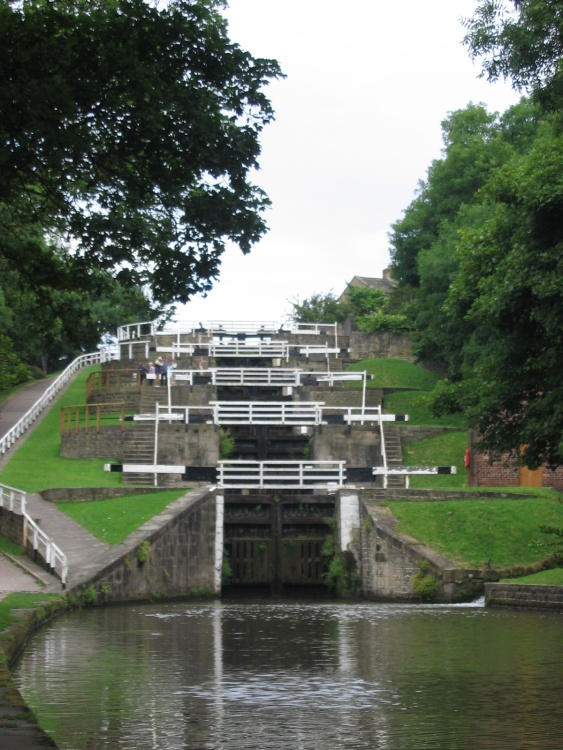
(267, 412)
(55, 560)
(146, 329)
(263, 376)
(31, 415)
(277, 349)
(408, 471)
(282, 474)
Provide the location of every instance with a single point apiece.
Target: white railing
(55, 560)
(145, 329)
(31, 415)
(408, 471)
(278, 349)
(314, 328)
(263, 376)
(267, 412)
(282, 474)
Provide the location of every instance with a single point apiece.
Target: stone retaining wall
(172, 555)
(523, 595)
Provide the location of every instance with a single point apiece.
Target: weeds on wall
(424, 583)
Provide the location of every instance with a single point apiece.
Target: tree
(509, 286)
(521, 40)
(129, 130)
(318, 308)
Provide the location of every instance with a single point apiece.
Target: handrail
(31, 415)
(55, 559)
(282, 474)
(79, 416)
(133, 331)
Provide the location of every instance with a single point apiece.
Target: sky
(358, 123)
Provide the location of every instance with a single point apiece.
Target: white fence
(282, 474)
(15, 501)
(145, 329)
(408, 471)
(270, 412)
(263, 376)
(31, 415)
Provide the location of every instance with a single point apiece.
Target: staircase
(138, 448)
(394, 454)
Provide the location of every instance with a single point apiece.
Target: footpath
(20, 574)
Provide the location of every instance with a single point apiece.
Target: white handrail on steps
(55, 559)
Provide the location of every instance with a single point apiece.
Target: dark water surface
(287, 675)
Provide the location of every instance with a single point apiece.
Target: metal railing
(282, 474)
(14, 500)
(277, 349)
(409, 471)
(133, 331)
(269, 412)
(31, 415)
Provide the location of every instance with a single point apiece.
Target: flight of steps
(394, 454)
(138, 448)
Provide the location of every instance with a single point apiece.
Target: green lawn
(395, 373)
(114, 519)
(553, 577)
(415, 404)
(447, 449)
(37, 465)
(472, 532)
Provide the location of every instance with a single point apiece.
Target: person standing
(164, 372)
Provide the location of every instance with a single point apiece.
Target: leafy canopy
(128, 130)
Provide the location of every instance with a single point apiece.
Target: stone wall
(380, 345)
(523, 595)
(391, 560)
(188, 445)
(172, 555)
(107, 443)
(359, 447)
(12, 525)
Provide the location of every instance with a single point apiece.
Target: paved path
(77, 544)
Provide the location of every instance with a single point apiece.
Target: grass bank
(496, 533)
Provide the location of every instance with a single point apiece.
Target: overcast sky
(357, 125)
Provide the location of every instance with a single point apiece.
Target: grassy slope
(114, 519)
(37, 465)
(473, 532)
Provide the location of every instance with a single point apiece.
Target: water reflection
(298, 675)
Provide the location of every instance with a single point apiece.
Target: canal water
(298, 676)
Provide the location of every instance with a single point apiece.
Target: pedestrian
(171, 369)
(142, 372)
(158, 369)
(151, 374)
(164, 372)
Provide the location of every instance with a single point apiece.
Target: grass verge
(395, 373)
(501, 533)
(6, 545)
(447, 449)
(415, 404)
(553, 577)
(112, 520)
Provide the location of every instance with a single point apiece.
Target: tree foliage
(521, 40)
(130, 129)
(481, 247)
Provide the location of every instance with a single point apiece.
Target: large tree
(509, 289)
(128, 131)
(521, 40)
